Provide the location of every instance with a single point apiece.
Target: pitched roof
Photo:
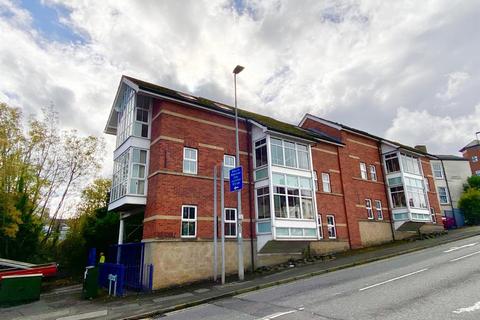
(471, 144)
(364, 133)
(270, 123)
(450, 157)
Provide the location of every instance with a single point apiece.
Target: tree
(80, 159)
(469, 203)
(11, 141)
(93, 227)
(38, 167)
(94, 196)
(472, 182)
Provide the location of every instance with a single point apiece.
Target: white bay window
(289, 154)
(129, 174)
(292, 197)
(132, 116)
(410, 164)
(416, 193)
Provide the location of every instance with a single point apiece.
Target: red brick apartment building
(472, 152)
(320, 184)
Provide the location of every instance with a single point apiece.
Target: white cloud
(454, 85)
(356, 62)
(437, 132)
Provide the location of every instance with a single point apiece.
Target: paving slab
(68, 304)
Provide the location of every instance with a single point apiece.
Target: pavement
(436, 283)
(66, 304)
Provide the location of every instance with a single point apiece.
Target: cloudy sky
(406, 70)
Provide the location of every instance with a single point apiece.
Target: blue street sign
(236, 179)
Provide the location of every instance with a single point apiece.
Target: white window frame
(188, 220)
(378, 209)
(427, 184)
(141, 123)
(315, 181)
(326, 185)
(369, 208)
(226, 222)
(363, 171)
(190, 159)
(295, 148)
(320, 227)
(138, 180)
(121, 173)
(410, 164)
(373, 172)
(432, 213)
(437, 170)
(257, 196)
(262, 142)
(227, 168)
(475, 158)
(446, 195)
(331, 226)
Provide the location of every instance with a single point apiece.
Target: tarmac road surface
(438, 283)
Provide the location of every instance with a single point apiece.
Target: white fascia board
(263, 128)
(128, 199)
(110, 129)
(312, 141)
(131, 84)
(413, 153)
(322, 121)
(276, 133)
(390, 144)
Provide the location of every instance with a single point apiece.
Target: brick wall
(469, 153)
(360, 149)
(432, 194)
(177, 126)
(347, 181)
(173, 128)
(325, 160)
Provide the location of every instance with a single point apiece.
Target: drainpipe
(344, 198)
(379, 144)
(250, 193)
(449, 195)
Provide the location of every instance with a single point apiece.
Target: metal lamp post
(241, 276)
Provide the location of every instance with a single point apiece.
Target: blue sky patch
(46, 20)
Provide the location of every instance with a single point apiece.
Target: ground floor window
(368, 206)
(189, 221)
(398, 197)
(263, 203)
(230, 222)
(320, 228)
(378, 208)
(332, 229)
(432, 212)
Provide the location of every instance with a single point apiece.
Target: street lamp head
(238, 69)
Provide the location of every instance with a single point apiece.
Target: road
(442, 282)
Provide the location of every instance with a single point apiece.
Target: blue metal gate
(138, 275)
